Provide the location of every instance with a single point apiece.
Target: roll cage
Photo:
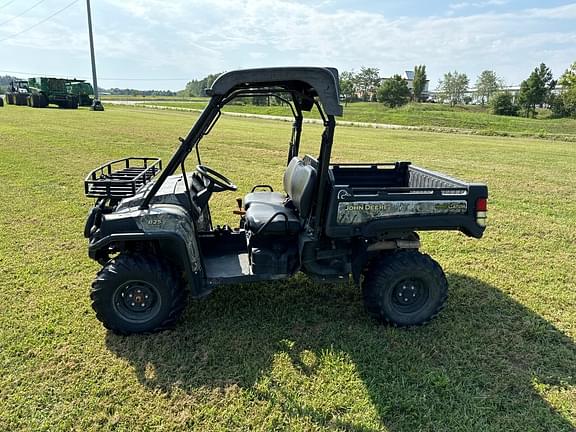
(301, 88)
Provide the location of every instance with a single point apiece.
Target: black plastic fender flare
(94, 216)
(171, 243)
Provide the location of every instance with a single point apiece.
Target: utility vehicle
(152, 230)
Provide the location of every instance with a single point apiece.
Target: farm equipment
(17, 93)
(151, 228)
(45, 91)
(82, 90)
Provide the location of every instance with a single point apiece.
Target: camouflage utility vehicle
(152, 230)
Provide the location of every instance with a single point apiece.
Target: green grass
(294, 355)
(429, 116)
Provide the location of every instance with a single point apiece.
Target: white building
(409, 77)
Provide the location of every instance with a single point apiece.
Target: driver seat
(287, 218)
(271, 197)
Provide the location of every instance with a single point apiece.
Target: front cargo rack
(121, 178)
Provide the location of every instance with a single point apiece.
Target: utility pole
(96, 104)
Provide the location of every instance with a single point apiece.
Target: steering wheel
(215, 178)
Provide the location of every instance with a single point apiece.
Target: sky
(156, 44)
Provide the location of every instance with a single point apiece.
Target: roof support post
(324, 164)
(296, 134)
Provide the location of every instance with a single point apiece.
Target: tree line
(538, 90)
(454, 88)
(5, 80)
(195, 88)
(136, 92)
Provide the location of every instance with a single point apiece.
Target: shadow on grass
(484, 364)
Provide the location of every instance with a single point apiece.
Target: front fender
(168, 226)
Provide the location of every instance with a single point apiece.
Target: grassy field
(296, 355)
(470, 117)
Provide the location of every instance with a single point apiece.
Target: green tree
(393, 92)
(453, 87)
(569, 100)
(564, 104)
(347, 87)
(366, 82)
(568, 78)
(197, 87)
(503, 104)
(536, 90)
(487, 84)
(419, 83)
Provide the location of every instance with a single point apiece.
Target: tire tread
(384, 267)
(144, 264)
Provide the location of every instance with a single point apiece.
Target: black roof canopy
(309, 81)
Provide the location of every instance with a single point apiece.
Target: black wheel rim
(409, 295)
(137, 301)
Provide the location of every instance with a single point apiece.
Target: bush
(503, 104)
(393, 92)
(564, 104)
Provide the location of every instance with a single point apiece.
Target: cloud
(148, 38)
(287, 32)
(478, 4)
(566, 12)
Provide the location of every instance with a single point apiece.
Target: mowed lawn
(294, 355)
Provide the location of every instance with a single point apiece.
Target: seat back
(299, 183)
(289, 171)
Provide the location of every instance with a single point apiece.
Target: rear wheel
(138, 294)
(1, 102)
(21, 99)
(35, 101)
(42, 100)
(405, 288)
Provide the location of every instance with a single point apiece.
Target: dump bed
(372, 199)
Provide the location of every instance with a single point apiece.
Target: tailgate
(401, 198)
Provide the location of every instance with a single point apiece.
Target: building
(408, 76)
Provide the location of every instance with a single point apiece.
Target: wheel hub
(409, 295)
(137, 297)
(406, 294)
(137, 301)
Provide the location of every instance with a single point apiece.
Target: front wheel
(138, 294)
(406, 288)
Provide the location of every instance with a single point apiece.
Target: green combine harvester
(45, 91)
(82, 90)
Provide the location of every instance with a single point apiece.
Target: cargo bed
(373, 199)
